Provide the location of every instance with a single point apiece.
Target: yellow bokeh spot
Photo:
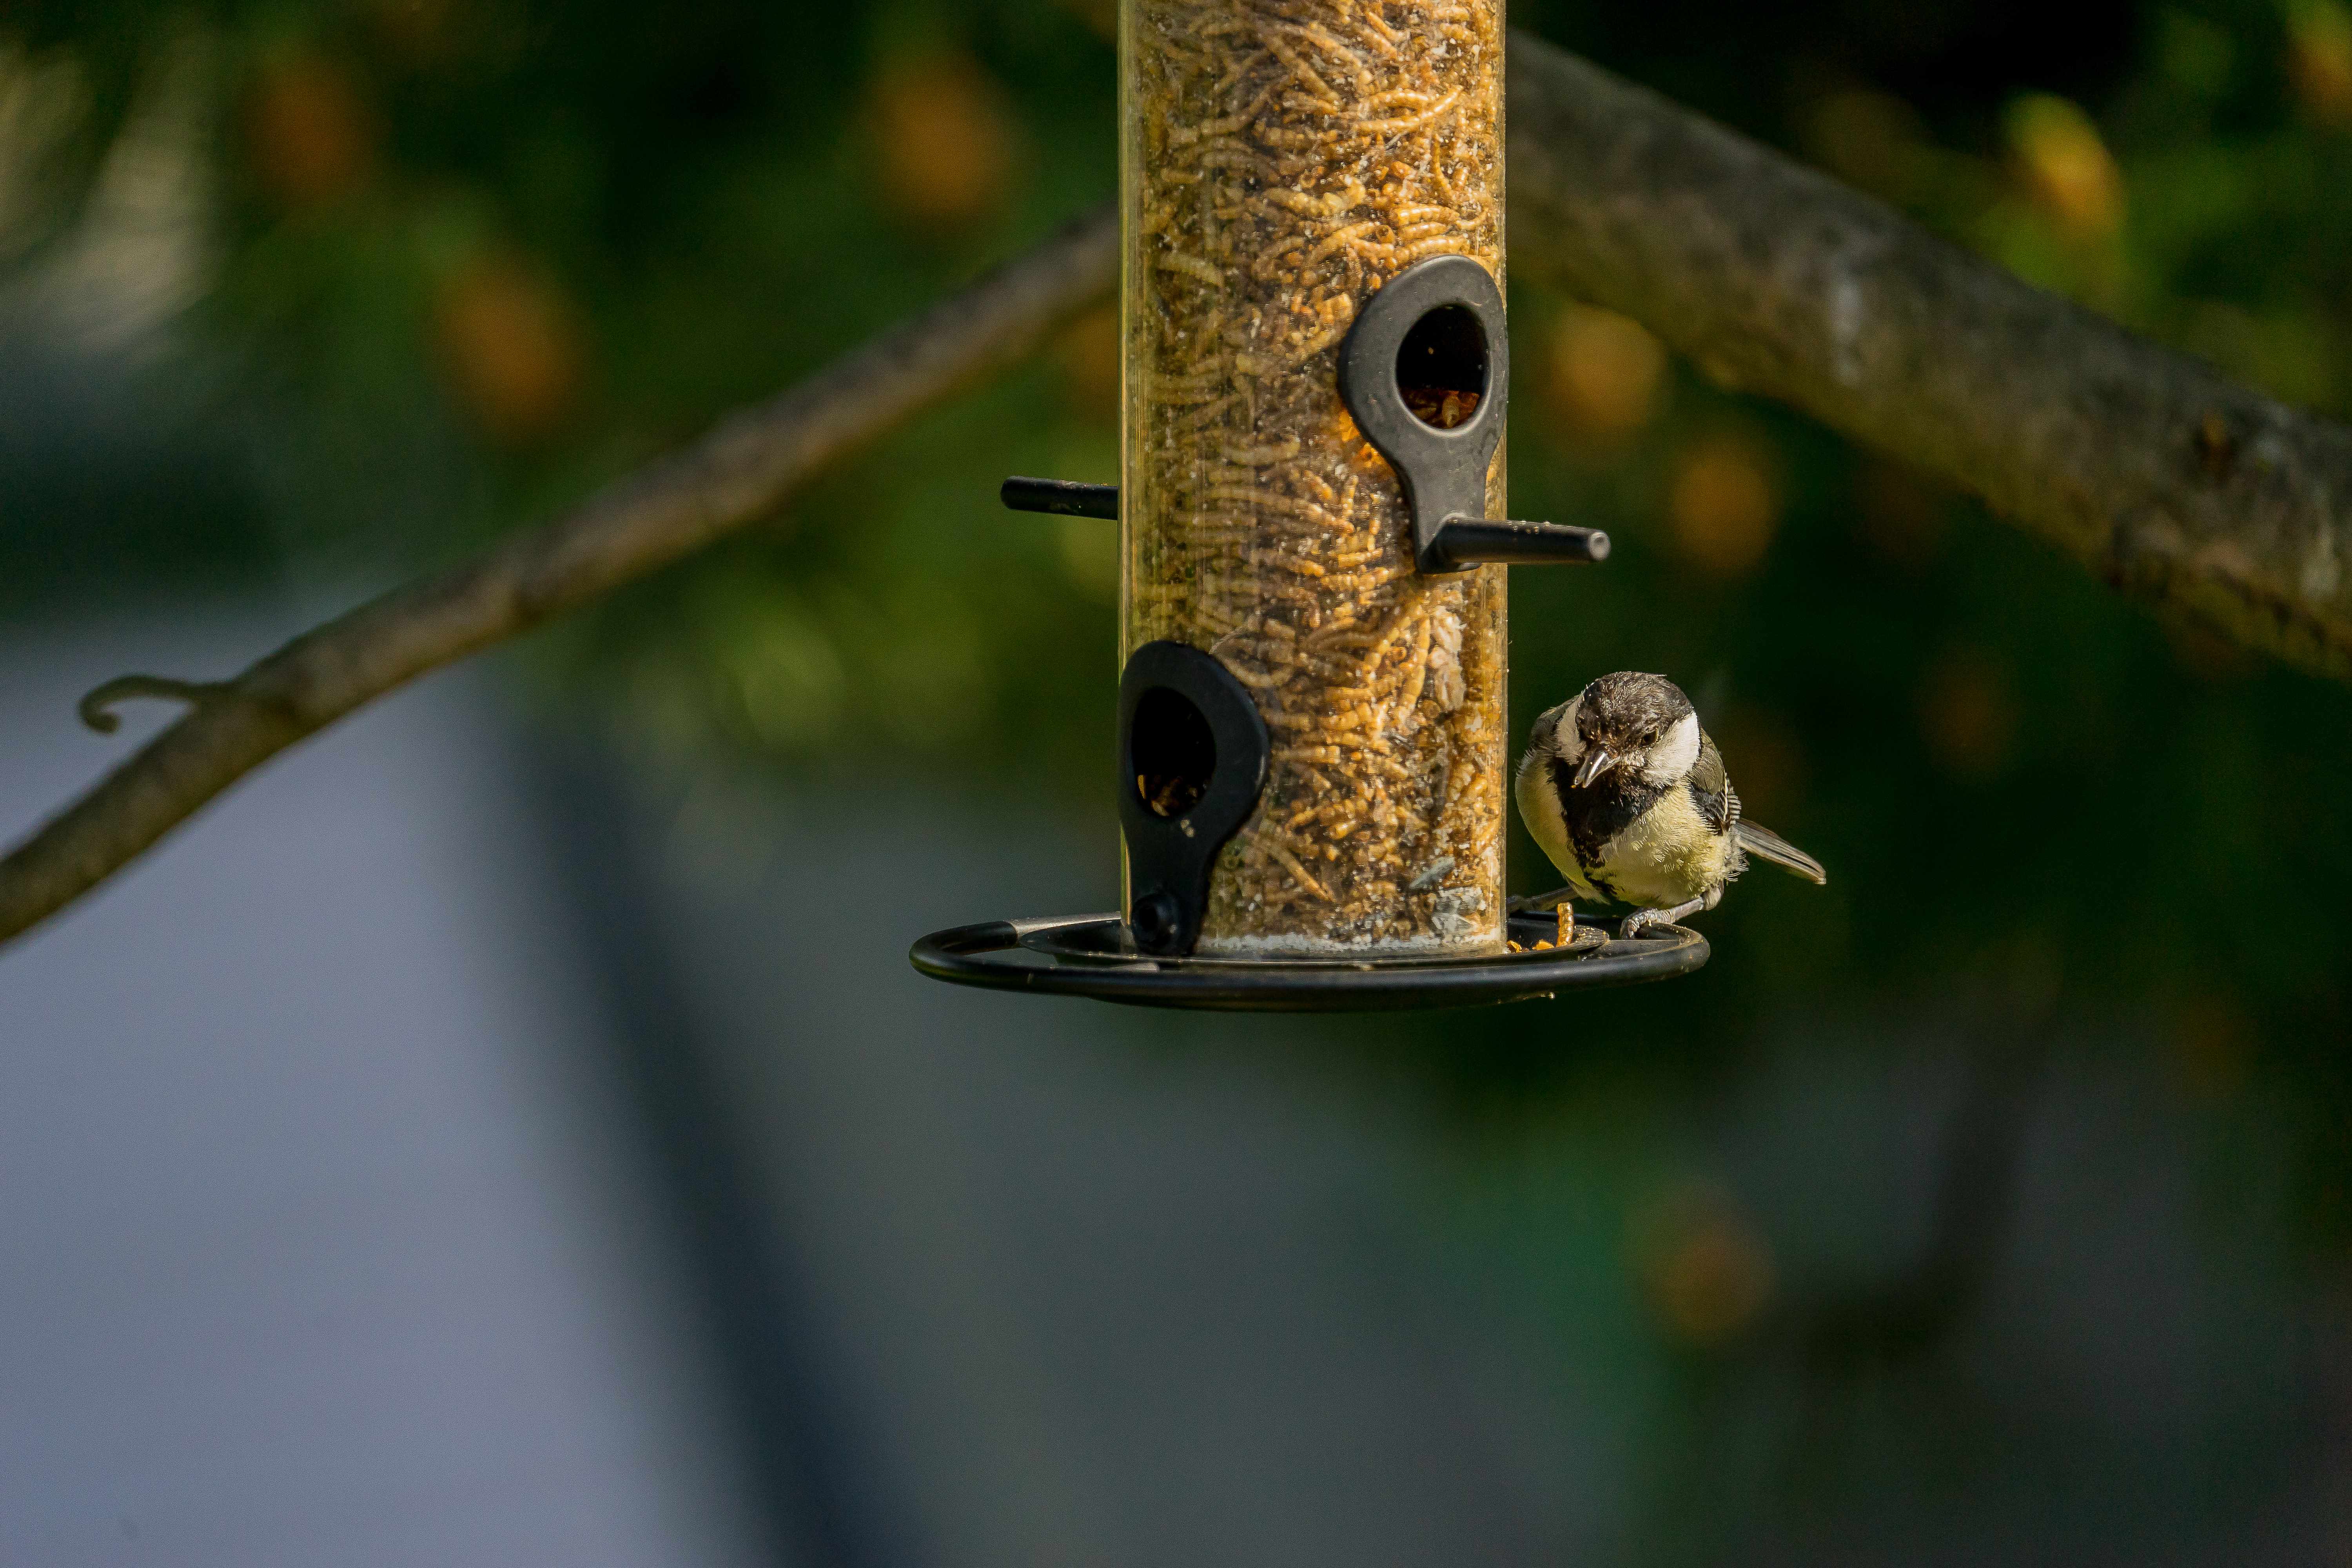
(1087, 354)
(310, 134)
(2066, 166)
(1724, 503)
(1607, 373)
(943, 141)
(2319, 60)
(1707, 1269)
(512, 348)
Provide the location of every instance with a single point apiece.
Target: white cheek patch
(1676, 754)
(1567, 743)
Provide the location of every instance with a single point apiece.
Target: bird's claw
(1640, 921)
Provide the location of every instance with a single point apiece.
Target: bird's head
(1638, 725)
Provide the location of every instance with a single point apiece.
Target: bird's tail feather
(1763, 841)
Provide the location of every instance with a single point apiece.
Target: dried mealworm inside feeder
(1280, 162)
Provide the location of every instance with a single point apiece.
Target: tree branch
(741, 471)
(2154, 471)
(2159, 475)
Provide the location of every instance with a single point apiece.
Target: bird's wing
(1710, 787)
(1780, 851)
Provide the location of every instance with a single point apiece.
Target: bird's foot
(1642, 919)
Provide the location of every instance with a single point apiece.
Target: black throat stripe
(1601, 811)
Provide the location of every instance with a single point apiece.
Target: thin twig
(97, 706)
(741, 471)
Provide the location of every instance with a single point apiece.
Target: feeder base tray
(1092, 955)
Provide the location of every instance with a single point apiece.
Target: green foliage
(475, 259)
(472, 259)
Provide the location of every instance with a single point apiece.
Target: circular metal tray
(1091, 955)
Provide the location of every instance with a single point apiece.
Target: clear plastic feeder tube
(1279, 161)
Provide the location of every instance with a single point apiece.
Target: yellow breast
(1668, 855)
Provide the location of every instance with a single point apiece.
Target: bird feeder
(1311, 742)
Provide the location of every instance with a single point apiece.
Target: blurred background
(508, 1129)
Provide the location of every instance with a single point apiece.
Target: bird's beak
(1596, 761)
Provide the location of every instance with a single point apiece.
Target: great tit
(1627, 796)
